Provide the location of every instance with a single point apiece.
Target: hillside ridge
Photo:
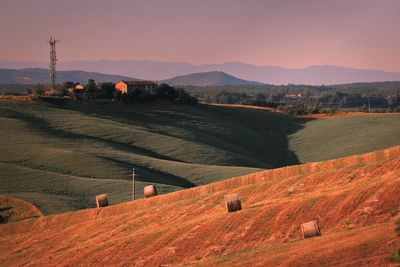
(230, 183)
(39, 75)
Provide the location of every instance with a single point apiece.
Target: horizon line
(198, 65)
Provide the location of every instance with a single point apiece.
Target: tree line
(304, 99)
(107, 90)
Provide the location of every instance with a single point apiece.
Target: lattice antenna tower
(53, 61)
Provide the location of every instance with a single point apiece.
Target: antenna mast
(53, 61)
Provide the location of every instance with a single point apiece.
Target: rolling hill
(36, 75)
(60, 157)
(155, 70)
(213, 78)
(354, 199)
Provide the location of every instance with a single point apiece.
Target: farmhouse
(79, 86)
(79, 90)
(292, 98)
(129, 86)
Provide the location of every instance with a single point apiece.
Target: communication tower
(53, 61)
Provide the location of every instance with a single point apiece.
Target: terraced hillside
(355, 199)
(60, 157)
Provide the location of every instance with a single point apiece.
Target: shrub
(396, 255)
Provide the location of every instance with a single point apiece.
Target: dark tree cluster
(161, 92)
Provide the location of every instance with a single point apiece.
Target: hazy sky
(295, 34)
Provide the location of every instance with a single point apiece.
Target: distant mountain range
(313, 75)
(36, 75)
(212, 78)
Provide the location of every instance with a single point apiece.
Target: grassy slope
(60, 157)
(335, 137)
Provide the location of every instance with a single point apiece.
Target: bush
(396, 255)
(107, 91)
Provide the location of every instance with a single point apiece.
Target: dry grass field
(355, 200)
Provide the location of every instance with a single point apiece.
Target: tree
(40, 89)
(90, 88)
(260, 96)
(164, 91)
(396, 255)
(107, 90)
(67, 85)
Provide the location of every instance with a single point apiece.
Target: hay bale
(101, 201)
(232, 202)
(150, 191)
(310, 229)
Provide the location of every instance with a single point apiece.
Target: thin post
(369, 105)
(133, 183)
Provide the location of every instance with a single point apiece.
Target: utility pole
(369, 105)
(53, 61)
(133, 183)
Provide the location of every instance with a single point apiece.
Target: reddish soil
(320, 115)
(23, 98)
(355, 199)
(13, 209)
(246, 106)
(341, 114)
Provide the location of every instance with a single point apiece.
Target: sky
(288, 33)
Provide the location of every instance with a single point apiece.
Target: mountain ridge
(211, 78)
(40, 75)
(161, 70)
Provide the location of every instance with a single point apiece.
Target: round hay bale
(101, 201)
(310, 229)
(232, 202)
(150, 191)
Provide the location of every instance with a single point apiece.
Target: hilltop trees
(90, 88)
(107, 90)
(162, 92)
(40, 89)
(67, 85)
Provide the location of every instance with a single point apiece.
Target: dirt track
(356, 200)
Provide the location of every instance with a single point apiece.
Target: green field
(60, 157)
